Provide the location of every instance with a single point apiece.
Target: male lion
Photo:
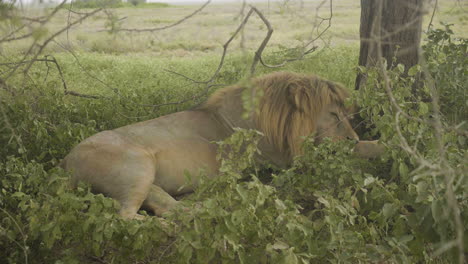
(143, 164)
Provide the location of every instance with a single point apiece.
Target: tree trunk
(394, 26)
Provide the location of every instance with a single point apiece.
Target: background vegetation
(328, 207)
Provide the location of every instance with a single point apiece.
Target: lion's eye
(336, 116)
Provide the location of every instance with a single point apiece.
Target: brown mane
(289, 107)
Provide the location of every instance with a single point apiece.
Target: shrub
(446, 59)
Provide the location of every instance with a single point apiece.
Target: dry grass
(207, 31)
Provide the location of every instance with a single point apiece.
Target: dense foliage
(446, 63)
(327, 207)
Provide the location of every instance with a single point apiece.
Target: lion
(143, 165)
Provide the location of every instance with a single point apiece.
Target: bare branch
(51, 59)
(433, 14)
(306, 49)
(40, 47)
(258, 54)
(87, 72)
(53, 36)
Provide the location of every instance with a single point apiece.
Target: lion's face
(333, 123)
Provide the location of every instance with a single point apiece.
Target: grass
(99, 4)
(146, 5)
(100, 74)
(205, 33)
(133, 61)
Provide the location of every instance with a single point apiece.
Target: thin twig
(433, 14)
(51, 59)
(87, 72)
(258, 54)
(165, 250)
(44, 44)
(306, 51)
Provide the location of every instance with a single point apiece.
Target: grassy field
(194, 47)
(294, 25)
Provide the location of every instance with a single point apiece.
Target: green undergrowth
(328, 206)
(43, 122)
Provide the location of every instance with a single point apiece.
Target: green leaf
(414, 70)
(280, 205)
(406, 238)
(242, 192)
(290, 257)
(422, 190)
(323, 201)
(423, 108)
(403, 169)
(369, 180)
(133, 228)
(280, 245)
(401, 68)
(389, 210)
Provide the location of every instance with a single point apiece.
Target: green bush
(40, 215)
(447, 58)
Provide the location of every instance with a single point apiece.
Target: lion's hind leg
(114, 166)
(159, 201)
(133, 190)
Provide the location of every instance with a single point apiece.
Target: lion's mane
(289, 105)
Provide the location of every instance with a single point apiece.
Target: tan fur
(144, 164)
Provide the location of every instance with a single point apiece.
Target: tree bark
(394, 26)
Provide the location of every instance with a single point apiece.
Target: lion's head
(291, 107)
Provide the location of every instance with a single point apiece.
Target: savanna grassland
(196, 44)
(328, 207)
